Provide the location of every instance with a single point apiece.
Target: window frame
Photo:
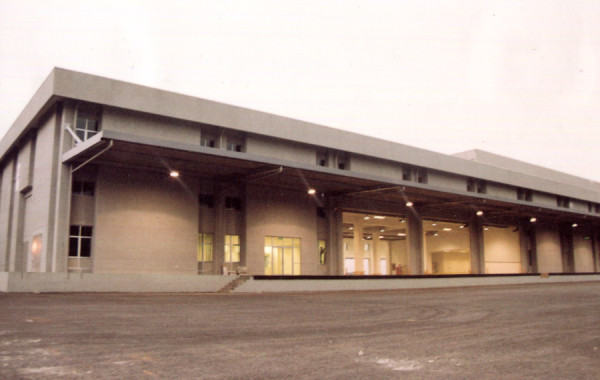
(79, 237)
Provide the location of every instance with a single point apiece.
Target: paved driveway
(535, 331)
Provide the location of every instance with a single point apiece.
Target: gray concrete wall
(253, 286)
(37, 210)
(369, 165)
(447, 180)
(145, 223)
(583, 252)
(279, 212)
(94, 282)
(281, 149)
(6, 194)
(147, 125)
(549, 255)
(501, 191)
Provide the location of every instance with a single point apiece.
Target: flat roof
(63, 83)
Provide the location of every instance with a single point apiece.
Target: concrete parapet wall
(317, 285)
(96, 282)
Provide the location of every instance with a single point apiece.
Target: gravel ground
(535, 331)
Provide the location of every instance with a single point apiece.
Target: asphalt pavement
(547, 331)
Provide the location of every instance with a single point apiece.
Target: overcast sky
(517, 78)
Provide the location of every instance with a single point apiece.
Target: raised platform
(91, 282)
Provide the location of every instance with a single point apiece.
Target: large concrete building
(109, 181)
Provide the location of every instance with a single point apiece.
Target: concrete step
(239, 280)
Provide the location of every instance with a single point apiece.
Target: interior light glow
(174, 173)
(447, 229)
(367, 218)
(409, 204)
(434, 224)
(402, 221)
(381, 236)
(379, 217)
(575, 225)
(401, 234)
(462, 226)
(479, 213)
(351, 228)
(533, 220)
(312, 191)
(485, 228)
(435, 234)
(382, 230)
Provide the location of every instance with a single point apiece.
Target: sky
(516, 78)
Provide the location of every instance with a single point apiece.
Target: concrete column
(60, 194)
(476, 246)
(524, 246)
(566, 248)
(358, 250)
(414, 236)
(219, 236)
(336, 234)
(532, 248)
(596, 249)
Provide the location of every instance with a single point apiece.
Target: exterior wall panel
(145, 223)
(281, 149)
(548, 250)
(277, 212)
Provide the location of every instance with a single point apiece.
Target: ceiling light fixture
(312, 191)
(379, 217)
(447, 229)
(409, 204)
(401, 234)
(575, 225)
(174, 173)
(479, 213)
(367, 217)
(533, 220)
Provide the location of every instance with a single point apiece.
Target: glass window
(80, 241)
(282, 255)
(83, 188)
(205, 247)
(86, 127)
(232, 249)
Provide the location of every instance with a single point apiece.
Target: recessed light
(434, 224)
(312, 191)
(479, 213)
(409, 204)
(447, 229)
(367, 218)
(575, 225)
(533, 220)
(174, 173)
(379, 217)
(350, 228)
(401, 234)
(382, 230)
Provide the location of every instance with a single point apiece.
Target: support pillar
(476, 246)
(414, 235)
(566, 248)
(596, 248)
(219, 237)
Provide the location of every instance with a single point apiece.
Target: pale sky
(517, 78)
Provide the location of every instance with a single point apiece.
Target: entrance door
(349, 266)
(282, 256)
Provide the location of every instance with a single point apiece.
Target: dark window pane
(76, 187)
(80, 123)
(88, 188)
(74, 231)
(86, 247)
(73, 247)
(92, 125)
(86, 231)
(81, 134)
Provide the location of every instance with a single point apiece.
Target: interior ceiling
(137, 156)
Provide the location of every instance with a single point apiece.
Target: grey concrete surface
(525, 331)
